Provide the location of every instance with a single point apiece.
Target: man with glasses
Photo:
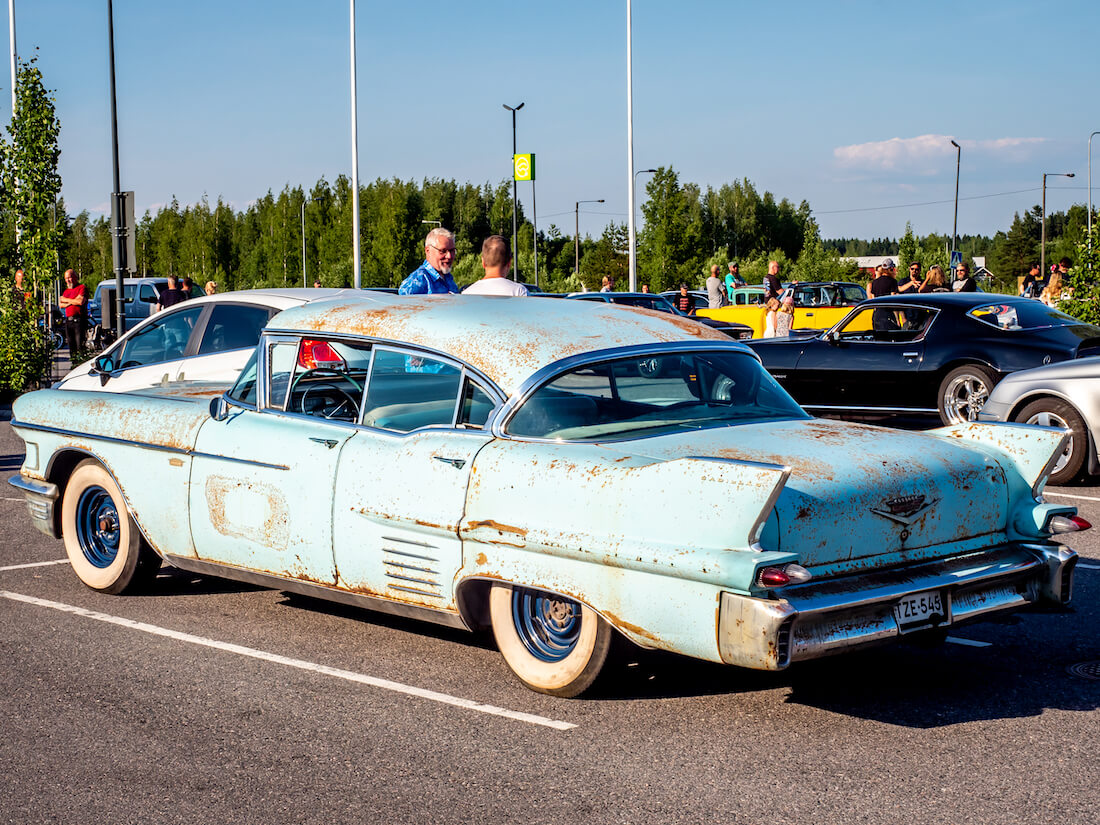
(914, 282)
(433, 277)
(963, 282)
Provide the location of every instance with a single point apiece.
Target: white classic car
(201, 339)
(520, 464)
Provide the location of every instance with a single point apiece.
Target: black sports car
(936, 352)
(649, 300)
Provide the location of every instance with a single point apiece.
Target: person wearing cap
(883, 284)
(733, 280)
(716, 291)
(963, 282)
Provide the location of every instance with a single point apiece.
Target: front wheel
(1053, 412)
(963, 393)
(102, 541)
(553, 644)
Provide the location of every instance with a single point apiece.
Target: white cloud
(925, 154)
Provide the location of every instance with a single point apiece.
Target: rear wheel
(553, 644)
(1053, 412)
(963, 393)
(102, 541)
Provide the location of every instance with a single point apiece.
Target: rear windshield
(638, 397)
(1021, 315)
(655, 302)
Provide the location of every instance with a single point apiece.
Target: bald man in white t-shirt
(496, 259)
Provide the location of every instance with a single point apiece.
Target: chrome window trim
(466, 373)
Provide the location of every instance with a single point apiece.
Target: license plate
(920, 609)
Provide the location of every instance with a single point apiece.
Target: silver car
(1065, 395)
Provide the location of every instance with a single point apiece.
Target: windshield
(651, 395)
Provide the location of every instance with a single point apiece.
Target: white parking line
(33, 564)
(1070, 495)
(384, 684)
(968, 642)
(1086, 566)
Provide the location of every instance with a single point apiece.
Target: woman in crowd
(211, 287)
(934, 281)
(1053, 291)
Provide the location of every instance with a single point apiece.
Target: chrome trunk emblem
(904, 509)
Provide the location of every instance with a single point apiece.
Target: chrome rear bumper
(819, 618)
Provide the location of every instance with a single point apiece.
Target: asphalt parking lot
(208, 701)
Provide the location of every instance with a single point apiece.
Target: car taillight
(313, 354)
(781, 576)
(1067, 524)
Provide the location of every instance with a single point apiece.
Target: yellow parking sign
(523, 166)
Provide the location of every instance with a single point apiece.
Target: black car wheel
(963, 393)
(1053, 412)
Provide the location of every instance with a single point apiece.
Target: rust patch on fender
(641, 632)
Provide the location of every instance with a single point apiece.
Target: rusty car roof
(508, 339)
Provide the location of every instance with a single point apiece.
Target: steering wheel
(347, 400)
(328, 371)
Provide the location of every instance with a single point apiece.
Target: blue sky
(849, 105)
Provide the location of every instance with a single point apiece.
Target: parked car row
(547, 436)
(939, 353)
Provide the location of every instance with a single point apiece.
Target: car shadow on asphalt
(171, 581)
(909, 685)
(418, 627)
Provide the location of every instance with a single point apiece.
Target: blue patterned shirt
(425, 280)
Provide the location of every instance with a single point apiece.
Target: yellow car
(817, 305)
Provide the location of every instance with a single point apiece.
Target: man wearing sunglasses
(433, 277)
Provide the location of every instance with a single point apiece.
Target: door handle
(910, 355)
(328, 442)
(457, 463)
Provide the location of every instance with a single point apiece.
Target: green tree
(30, 179)
(29, 188)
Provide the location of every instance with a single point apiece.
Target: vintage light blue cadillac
(567, 474)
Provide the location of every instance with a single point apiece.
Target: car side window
(233, 326)
(165, 339)
(476, 406)
(245, 388)
(407, 392)
(887, 324)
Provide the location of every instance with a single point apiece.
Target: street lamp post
(1090, 191)
(303, 242)
(1043, 242)
(357, 266)
(577, 235)
(515, 193)
(955, 226)
(634, 235)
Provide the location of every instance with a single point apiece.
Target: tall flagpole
(630, 157)
(11, 37)
(354, 160)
